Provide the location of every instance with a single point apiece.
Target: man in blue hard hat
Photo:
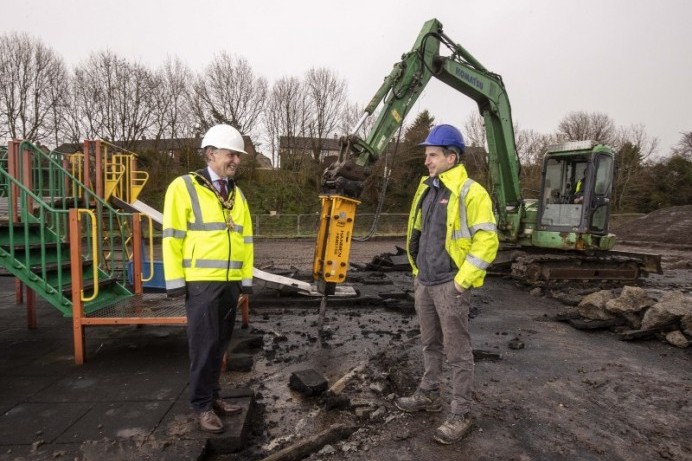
(451, 241)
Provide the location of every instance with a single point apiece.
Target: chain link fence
(307, 225)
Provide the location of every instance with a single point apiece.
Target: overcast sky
(629, 59)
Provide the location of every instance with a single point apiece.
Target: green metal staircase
(34, 234)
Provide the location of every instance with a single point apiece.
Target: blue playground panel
(156, 284)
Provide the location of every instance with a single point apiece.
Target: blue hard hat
(445, 136)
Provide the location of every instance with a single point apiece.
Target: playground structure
(63, 240)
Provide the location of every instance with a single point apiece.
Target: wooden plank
(582, 324)
(134, 321)
(629, 335)
(306, 447)
(642, 334)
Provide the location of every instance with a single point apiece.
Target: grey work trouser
(443, 314)
(211, 312)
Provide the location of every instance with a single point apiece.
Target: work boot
(210, 422)
(420, 401)
(223, 408)
(453, 429)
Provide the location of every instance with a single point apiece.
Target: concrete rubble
(640, 313)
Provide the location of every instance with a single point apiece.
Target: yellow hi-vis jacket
(471, 235)
(202, 239)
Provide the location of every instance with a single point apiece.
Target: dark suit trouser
(211, 312)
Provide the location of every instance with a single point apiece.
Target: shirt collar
(433, 182)
(213, 176)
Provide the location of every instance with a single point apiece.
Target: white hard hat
(224, 137)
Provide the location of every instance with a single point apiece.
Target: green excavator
(561, 235)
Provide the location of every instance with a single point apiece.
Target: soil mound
(666, 226)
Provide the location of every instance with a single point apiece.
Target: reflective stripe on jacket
(471, 235)
(200, 242)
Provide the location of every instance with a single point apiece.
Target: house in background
(176, 149)
(294, 151)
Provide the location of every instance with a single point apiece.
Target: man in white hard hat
(208, 257)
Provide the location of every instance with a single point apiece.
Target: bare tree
(172, 116)
(229, 92)
(474, 130)
(88, 99)
(115, 98)
(684, 147)
(135, 103)
(637, 136)
(286, 112)
(32, 77)
(528, 142)
(583, 125)
(351, 115)
(326, 95)
(60, 93)
(633, 147)
(72, 125)
(532, 145)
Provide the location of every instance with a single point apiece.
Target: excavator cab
(577, 181)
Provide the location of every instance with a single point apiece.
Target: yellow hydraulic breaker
(333, 241)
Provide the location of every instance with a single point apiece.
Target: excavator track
(537, 267)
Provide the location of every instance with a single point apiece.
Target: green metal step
(34, 238)
(55, 264)
(36, 251)
(54, 252)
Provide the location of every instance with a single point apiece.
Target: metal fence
(388, 224)
(306, 225)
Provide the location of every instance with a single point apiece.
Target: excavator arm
(399, 91)
(342, 181)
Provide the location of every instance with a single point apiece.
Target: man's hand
(458, 287)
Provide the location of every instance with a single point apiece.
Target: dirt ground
(668, 226)
(543, 390)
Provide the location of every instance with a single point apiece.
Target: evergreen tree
(407, 164)
(666, 183)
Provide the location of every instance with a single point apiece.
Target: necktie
(222, 188)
